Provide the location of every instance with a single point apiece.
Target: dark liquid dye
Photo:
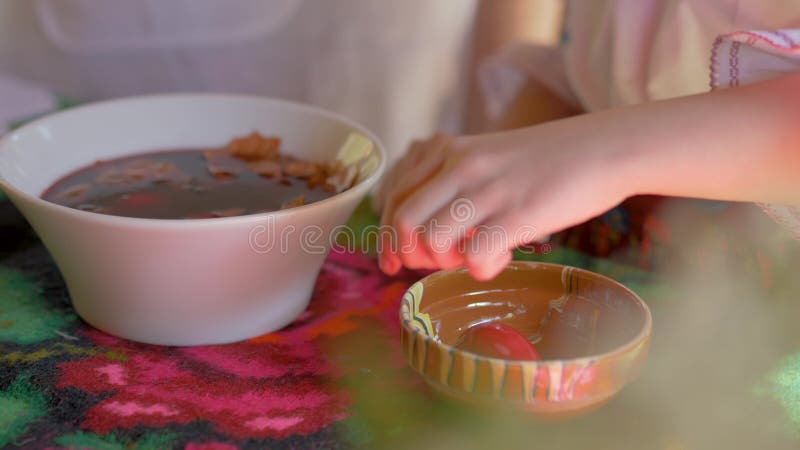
(176, 185)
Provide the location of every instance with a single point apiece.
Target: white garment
(623, 52)
(22, 100)
(394, 66)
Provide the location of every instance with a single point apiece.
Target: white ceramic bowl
(180, 282)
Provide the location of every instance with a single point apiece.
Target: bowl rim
(357, 190)
(617, 352)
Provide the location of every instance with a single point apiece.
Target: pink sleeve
(750, 56)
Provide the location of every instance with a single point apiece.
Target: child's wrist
(620, 156)
(633, 155)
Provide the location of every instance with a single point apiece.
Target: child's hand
(470, 200)
(474, 198)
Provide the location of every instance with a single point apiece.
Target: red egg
(497, 340)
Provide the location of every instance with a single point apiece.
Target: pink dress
(622, 52)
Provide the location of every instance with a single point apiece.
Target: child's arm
(738, 144)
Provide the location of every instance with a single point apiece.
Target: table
(723, 372)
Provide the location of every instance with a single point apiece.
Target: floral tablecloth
(65, 384)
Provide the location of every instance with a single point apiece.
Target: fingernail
(394, 268)
(478, 273)
(388, 265)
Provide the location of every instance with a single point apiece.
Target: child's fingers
(397, 252)
(407, 228)
(412, 157)
(401, 247)
(490, 267)
(430, 159)
(445, 258)
(388, 260)
(427, 160)
(417, 209)
(395, 243)
(410, 252)
(435, 195)
(494, 245)
(418, 258)
(447, 231)
(411, 169)
(388, 181)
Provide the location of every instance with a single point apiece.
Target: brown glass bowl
(591, 332)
